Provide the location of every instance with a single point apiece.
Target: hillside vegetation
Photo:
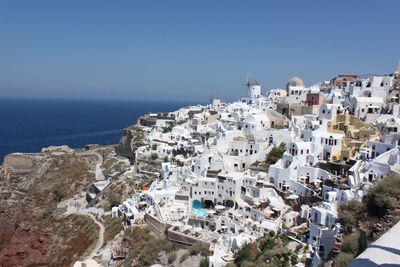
(363, 222)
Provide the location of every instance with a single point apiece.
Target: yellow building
(356, 134)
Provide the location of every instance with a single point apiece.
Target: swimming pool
(200, 212)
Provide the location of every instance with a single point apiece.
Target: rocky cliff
(133, 137)
(33, 232)
(31, 186)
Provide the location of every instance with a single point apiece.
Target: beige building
(356, 134)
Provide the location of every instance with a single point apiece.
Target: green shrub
(276, 153)
(204, 262)
(44, 216)
(285, 238)
(304, 259)
(153, 247)
(350, 213)
(249, 264)
(271, 233)
(343, 259)
(384, 196)
(154, 156)
(58, 195)
(172, 257)
(267, 244)
(293, 260)
(351, 243)
(196, 248)
(114, 203)
(244, 254)
(184, 257)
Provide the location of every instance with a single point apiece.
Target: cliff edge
(132, 138)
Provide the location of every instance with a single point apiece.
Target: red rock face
(30, 235)
(19, 244)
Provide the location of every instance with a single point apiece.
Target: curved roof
(295, 81)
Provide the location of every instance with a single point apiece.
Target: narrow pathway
(99, 170)
(74, 204)
(100, 241)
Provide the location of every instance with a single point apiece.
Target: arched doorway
(207, 204)
(229, 203)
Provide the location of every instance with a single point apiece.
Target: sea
(28, 125)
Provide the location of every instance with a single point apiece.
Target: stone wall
(184, 239)
(155, 225)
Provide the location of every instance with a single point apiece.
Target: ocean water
(28, 125)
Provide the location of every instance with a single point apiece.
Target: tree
(350, 213)
(276, 153)
(267, 244)
(271, 233)
(343, 259)
(351, 243)
(384, 196)
(244, 254)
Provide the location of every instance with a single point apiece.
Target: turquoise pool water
(200, 212)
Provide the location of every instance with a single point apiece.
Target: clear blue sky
(188, 50)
